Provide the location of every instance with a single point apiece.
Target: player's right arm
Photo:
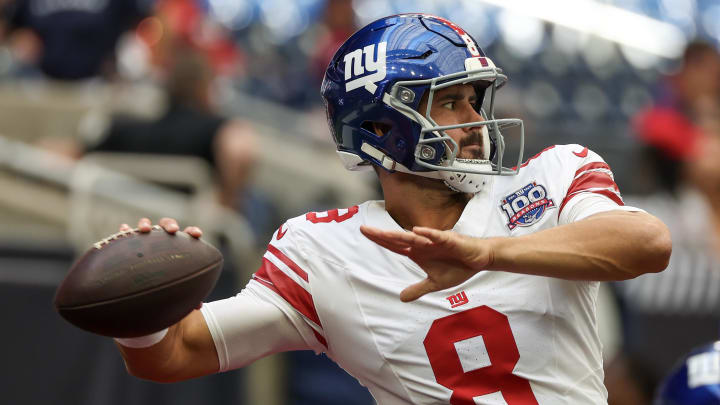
(244, 329)
(186, 351)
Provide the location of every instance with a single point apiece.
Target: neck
(417, 201)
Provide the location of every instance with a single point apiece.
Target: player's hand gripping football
(447, 257)
(168, 224)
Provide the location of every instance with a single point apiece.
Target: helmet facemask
(437, 151)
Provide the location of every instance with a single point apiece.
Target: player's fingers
(408, 238)
(435, 235)
(125, 228)
(374, 234)
(370, 231)
(144, 225)
(416, 291)
(193, 231)
(394, 247)
(170, 225)
(383, 240)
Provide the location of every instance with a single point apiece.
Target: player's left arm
(611, 245)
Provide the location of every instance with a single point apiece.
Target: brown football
(132, 284)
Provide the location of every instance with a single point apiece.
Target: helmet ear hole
(378, 128)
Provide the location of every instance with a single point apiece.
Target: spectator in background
(190, 126)
(70, 40)
(337, 25)
(680, 133)
(668, 314)
(186, 21)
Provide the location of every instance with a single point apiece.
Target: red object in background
(182, 22)
(668, 130)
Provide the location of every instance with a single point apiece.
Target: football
(133, 284)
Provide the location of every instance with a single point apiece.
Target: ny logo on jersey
(526, 206)
(458, 299)
(355, 67)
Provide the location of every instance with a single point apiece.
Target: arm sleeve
(284, 278)
(591, 204)
(592, 188)
(247, 327)
(274, 313)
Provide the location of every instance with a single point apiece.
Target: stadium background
(579, 71)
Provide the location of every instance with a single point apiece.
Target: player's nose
(474, 116)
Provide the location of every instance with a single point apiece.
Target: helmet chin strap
(456, 181)
(466, 182)
(387, 162)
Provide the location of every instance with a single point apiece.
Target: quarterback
(472, 282)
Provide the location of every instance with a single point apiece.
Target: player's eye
(450, 105)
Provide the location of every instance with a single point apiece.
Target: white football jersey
(498, 338)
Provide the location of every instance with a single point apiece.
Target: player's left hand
(447, 257)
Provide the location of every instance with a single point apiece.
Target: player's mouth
(471, 152)
(471, 146)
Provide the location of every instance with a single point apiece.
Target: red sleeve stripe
(288, 289)
(267, 283)
(594, 180)
(288, 262)
(604, 171)
(609, 193)
(289, 272)
(263, 278)
(320, 338)
(593, 166)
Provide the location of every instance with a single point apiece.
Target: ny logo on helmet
(355, 67)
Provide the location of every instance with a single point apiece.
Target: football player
(502, 263)
(695, 380)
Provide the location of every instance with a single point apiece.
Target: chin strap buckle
(378, 155)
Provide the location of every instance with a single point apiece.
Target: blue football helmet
(694, 381)
(378, 78)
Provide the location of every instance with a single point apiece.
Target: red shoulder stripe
(591, 166)
(287, 288)
(598, 182)
(266, 283)
(295, 295)
(280, 255)
(263, 278)
(320, 338)
(611, 195)
(592, 180)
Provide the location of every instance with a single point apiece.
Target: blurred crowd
(668, 314)
(660, 131)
